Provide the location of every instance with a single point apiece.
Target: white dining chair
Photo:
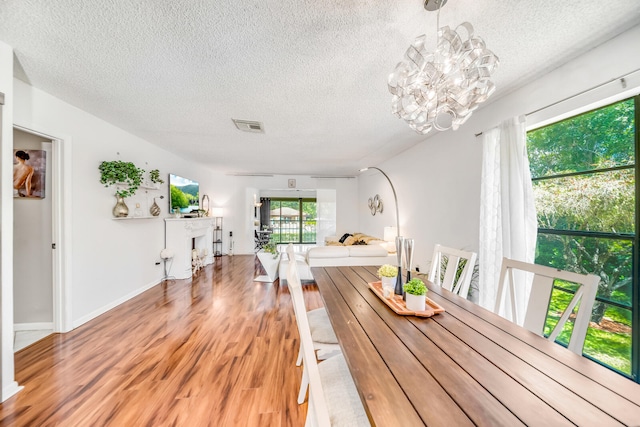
(452, 257)
(333, 397)
(540, 297)
(324, 338)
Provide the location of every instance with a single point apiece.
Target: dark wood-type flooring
(216, 351)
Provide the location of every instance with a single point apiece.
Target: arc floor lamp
(399, 238)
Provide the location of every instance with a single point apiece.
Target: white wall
(113, 260)
(32, 222)
(438, 181)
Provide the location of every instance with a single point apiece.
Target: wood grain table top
(466, 366)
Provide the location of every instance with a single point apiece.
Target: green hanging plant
(154, 176)
(119, 172)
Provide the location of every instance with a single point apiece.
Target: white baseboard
(36, 326)
(10, 389)
(113, 304)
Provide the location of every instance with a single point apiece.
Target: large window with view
(584, 174)
(293, 220)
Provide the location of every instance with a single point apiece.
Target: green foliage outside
(612, 347)
(592, 140)
(598, 201)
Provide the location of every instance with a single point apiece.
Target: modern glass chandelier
(440, 90)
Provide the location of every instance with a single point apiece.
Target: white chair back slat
(450, 272)
(454, 256)
(435, 273)
(318, 411)
(540, 298)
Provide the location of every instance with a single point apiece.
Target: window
(584, 174)
(293, 220)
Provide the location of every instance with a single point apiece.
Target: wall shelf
(135, 217)
(140, 187)
(140, 202)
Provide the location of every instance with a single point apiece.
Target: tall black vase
(408, 254)
(399, 246)
(398, 290)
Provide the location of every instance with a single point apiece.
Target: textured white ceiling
(314, 72)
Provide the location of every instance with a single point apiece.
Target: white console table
(185, 234)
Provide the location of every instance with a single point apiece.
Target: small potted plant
(388, 274)
(154, 176)
(269, 258)
(416, 292)
(271, 248)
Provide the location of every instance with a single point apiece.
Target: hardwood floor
(216, 351)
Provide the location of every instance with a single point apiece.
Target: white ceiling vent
(249, 126)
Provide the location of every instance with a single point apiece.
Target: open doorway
(33, 301)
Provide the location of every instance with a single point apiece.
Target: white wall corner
(7, 375)
(113, 304)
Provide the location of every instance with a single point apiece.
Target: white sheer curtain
(508, 226)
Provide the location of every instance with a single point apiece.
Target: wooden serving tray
(397, 304)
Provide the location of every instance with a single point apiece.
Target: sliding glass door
(293, 220)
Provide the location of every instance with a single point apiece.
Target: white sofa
(330, 256)
(334, 254)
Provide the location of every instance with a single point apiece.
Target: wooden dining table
(465, 366)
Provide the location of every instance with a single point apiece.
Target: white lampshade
(166, 254)
(216, 212)
(390, 234)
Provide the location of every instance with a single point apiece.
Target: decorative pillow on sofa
(365, 238)
(349, 241)
(344, 237)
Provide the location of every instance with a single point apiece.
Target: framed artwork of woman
(29, 167)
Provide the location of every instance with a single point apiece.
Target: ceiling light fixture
(440, 90)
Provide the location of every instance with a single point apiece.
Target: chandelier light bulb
(440, 90)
